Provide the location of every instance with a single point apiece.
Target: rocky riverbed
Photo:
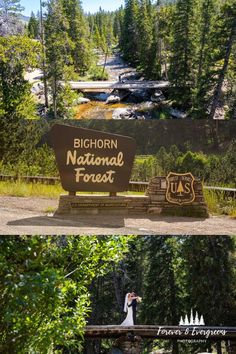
(129, 104)
(126, 104)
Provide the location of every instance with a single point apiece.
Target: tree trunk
(219, 349)
(88, 347)
(175, 347)
(203, 43)
(44, 57)
(54, 98)
(105, 62)
(218, 89)
(165, 60)
(117, 291)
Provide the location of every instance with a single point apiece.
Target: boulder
(113, 99)
(177, 113)
(117, 96)
(138, 96)
(37, 88)
(147, 105)
(102, 96)
(81, 100)
(123, 113)
(158, 97)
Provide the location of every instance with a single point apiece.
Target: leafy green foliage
(97, 73)
(212, 169)
(16, 54)
(44, 288)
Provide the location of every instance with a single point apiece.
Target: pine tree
(78, 33)
(57, 49)
(10, 7)
(225, 38)
(163, 294)
(33, 27)
(118, 21)
(130, 33)
(210, 278)
(181, 61)
(204, 19)
(145, 37)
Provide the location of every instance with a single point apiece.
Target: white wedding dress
(129, 321)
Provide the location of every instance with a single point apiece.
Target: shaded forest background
(205, 148)
(50, 287)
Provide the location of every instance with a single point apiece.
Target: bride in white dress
(129, 321)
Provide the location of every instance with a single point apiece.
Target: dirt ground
(31, 216)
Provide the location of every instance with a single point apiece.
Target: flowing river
(137, 106)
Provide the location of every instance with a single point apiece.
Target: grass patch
(50, 210)
(21, 189)
(218, 204)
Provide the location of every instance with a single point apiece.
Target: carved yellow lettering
(76, 143)
(173, 187)
(71, 158)
(81, 176)
(187, 188)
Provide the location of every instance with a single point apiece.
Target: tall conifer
(130, 33)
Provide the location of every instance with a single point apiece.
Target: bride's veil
(126, 303)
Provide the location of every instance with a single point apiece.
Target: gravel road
(21, 216)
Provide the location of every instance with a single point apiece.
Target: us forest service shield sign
(180, 188)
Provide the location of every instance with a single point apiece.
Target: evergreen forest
(189, 43)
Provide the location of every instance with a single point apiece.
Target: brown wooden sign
(92, 161)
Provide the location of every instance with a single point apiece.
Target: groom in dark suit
(134, 307)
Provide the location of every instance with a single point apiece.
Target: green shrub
(97, 73)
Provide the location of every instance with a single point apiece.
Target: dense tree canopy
(173, 275)
(44, 288)
(190, 41)
(16, 54)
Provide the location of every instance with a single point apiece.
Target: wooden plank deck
(163, 332)
(118, 85)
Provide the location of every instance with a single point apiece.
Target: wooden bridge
(163, 332)
(118, 85)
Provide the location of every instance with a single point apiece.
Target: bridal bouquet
(139, 299)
